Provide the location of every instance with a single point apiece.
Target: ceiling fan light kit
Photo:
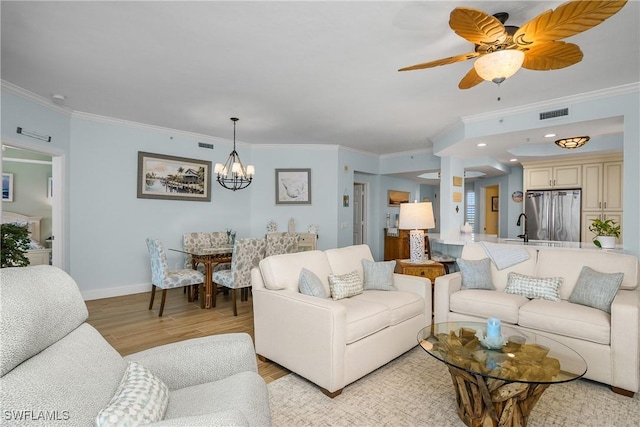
(574, 142)
(502, 50)
(500, 65)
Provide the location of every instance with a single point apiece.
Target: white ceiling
(294, 72)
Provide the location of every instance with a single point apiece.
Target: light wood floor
(129, 326)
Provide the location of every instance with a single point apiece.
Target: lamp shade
(499, 65)
(416, 216)
(570, 143)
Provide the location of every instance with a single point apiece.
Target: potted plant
(15, 243)
(606, 232)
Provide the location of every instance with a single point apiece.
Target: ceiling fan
(501, 50)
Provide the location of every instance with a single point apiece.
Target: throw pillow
(345, 285)
(476, 274)
(141, 398)
(378, 275)
(310, 284)
(534, 287)
(596, 289)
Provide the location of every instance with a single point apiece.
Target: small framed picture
(397, 197)
(495, 203)
(293, 186)
(7, 187)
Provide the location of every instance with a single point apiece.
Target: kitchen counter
(461, 239)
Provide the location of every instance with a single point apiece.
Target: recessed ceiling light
(482, 144)
(513, 160)
(550, 135)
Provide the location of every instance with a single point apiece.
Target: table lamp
(416, 217)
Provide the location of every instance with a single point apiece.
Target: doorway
(359, 214)
(55, 195)
(492, 210)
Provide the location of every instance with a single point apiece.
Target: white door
(359, 214)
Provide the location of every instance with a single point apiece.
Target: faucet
(524, 236)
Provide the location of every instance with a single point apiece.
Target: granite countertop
(460, 239)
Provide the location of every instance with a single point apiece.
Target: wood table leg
(208, 285)
(499, 403)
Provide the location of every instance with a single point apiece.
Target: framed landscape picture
(397, 197)
(173, 178)
(7, 187)
(293, 186)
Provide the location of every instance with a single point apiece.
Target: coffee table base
(485, 402)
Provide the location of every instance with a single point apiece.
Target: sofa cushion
(570, 262)
(141, 398)
(310, 284)
(534, 287)
(378, 275)
(499, 277)
(283, 271)
(483, 303)
(364, 317)
(347, 259)
(595, 289)
(345, 285)
(567, 319)
(476, 274)
(401, 305)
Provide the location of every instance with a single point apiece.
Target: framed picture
(395, 197)
(494, 204)
(7, 187)
(293, 186)
(173, 178)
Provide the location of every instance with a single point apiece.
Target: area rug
(416, 390)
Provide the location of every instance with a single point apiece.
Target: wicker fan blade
(567, 20)
(470, 79)
(476, 26)
(551, 56)
(444, 61)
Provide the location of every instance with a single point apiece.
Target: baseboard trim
(116, 292)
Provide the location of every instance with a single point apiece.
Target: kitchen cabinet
(587, 217)
(601, 194)
(561, 176)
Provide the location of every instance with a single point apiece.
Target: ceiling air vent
(205, 145)
(555, 113)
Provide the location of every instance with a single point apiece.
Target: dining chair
(163, 278)
(247, 253)
(281, 243)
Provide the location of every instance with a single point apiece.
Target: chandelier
(575, 142)
(240, 176)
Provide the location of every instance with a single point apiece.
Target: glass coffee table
(499, 381)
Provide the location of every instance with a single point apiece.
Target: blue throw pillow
(476, 274)
(595, 289)
(310, 284)
(378, 275)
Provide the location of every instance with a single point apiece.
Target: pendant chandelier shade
(233, 175)
(571, 143)
(499, 65)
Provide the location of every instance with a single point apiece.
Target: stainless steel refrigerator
(553, 215)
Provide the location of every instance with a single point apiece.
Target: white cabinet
(564, 176)
(601, 194)
(38, 256)
(307, 242)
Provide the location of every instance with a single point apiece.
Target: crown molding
(37, 99)
(552, 103)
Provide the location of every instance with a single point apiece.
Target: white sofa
(610, 343)
(334, 342)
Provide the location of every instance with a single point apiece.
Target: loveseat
(58, 370)
(609, 342)
(333, 342)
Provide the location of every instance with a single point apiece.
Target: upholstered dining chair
(163, 278)
(247, 253)
(281, 243)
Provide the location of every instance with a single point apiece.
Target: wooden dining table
(208, 257)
